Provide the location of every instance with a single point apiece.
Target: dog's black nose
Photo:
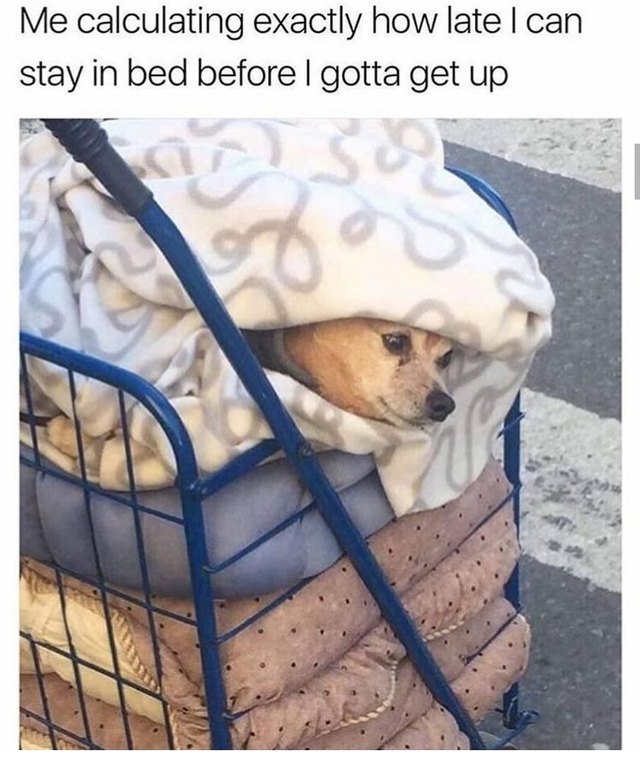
(439, 405)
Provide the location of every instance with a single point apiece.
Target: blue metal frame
(193, 489)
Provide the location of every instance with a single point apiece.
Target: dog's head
(377, 369)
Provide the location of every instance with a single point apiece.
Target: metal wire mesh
(192, 489)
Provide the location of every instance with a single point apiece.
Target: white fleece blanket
(294, 222)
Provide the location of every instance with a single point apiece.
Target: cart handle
(89, 144)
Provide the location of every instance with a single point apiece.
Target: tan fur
(353, 370)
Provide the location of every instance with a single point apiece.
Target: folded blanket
(407, 719)
(282, 216)
(319, 662)
(481, 661)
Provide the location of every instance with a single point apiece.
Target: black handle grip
(88, 143)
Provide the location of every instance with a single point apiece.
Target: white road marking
(571, 489)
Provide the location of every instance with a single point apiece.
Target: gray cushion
(55, 527)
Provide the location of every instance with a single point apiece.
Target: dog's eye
(445, 360)
(396, 343)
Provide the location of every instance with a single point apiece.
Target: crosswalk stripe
(571, 489)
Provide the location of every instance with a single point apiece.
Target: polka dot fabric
(106, 725)
(323, 670)
(415, 722)
(477, 679)
(335, 610)
(440, 601)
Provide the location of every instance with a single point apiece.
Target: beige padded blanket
(322, 670)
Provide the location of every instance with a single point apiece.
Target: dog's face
(406, 374)
(377, 369)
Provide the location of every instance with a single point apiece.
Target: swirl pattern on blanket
(294, 222)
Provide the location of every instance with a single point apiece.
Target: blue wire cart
(88, 143)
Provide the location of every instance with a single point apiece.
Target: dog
(376, 369)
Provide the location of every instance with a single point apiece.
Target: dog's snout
(439, 404)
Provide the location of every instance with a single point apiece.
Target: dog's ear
(270, 349)
(260, 343)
